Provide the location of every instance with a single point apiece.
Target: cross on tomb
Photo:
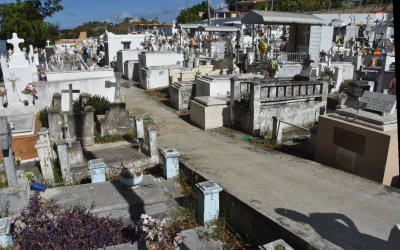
(15, 41)
(70, 91)
(118, 85)
(48, 43)
(13, 80)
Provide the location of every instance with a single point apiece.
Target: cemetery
(278, 130)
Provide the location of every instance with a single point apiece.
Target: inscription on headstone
(379, 102)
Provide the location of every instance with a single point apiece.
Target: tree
(192, 13)
(26, 18)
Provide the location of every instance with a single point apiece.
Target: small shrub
(43, 225)
(44, 117)
(99, 103)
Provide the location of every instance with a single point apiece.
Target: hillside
(96, 28)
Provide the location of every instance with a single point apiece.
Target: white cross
(15, 41)
(48, 43)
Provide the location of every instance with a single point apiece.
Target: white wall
(92, 82)
(115, 44)
(359, 18)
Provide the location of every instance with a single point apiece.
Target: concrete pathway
(328, 208)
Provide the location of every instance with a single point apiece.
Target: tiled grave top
(170, 152)
(211, 101)
(379, 102)
(209, 187)
(5, 225)
(369, 116)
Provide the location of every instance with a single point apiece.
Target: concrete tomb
(362, 140)
(116, 120)
(210, 112)
(254, 102)
(181, 93)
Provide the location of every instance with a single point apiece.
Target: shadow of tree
(336, 228)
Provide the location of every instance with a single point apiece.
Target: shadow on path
(336, 228)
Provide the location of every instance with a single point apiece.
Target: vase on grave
(29, 98)
(1, 100)
(131, 182)
(3, 179)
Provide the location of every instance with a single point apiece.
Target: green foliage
(113, 138)
(44, 117)
(192, 13)
(99, 103)
(26, 18)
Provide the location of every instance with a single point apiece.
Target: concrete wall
(289, 70)
(125, 55)
(348, 69)
(92, 82)
(378, 160)
(299, 103)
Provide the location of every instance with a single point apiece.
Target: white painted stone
(92, 82)
(210, 112)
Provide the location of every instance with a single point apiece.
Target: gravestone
(118, 85)
(116, 120)
(379, 102)
(315, 44)
(8, 155)
(70, 91)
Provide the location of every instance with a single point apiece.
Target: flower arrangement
(273, 66)
(130, 173)
(42, 72)
(3, 92)
(153, 231)
(41, 69)
(30, 89)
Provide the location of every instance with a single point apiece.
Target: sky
(77, 12)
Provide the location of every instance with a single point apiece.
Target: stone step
(112, 199)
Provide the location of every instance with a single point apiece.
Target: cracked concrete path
(328, 208)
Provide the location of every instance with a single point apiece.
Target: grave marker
(118, 85)
(70, 91)
(15, 41)
(8, 155)
(379, 102)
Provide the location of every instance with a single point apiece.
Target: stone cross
(48, 43)
(15, 41)
(8, 155)
(352, 18)
(118, 85)
(70, 91)
(368, 19)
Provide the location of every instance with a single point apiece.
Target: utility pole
(236, 7)
(187, 13)
(208, 12)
